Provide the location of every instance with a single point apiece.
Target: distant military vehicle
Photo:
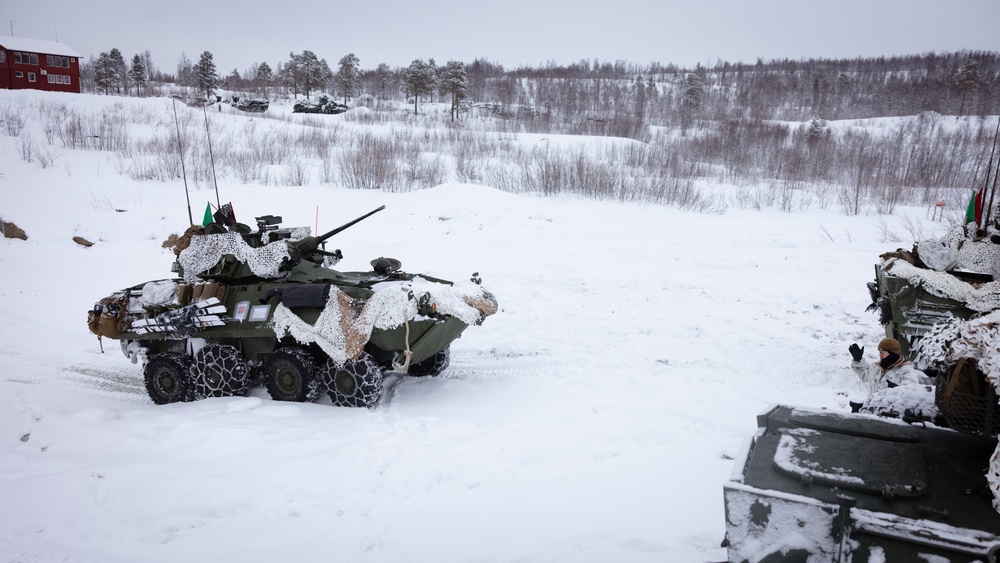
(251, 106)
(324, 105)
(266, 306)
(816, 485)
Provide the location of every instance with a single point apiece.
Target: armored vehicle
(251, 106)
(324, 105)
(818, 485)
(266, 306)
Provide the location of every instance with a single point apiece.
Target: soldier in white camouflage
(889, 371)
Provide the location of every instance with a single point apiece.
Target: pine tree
(691, 100)
(818, 89)
(433, 75)
(347, 76)
(968, 80)
(234, 81)
(137, 74)
(305, 72)
(207, 78)
(118, 70)
(694, 91)
(815, 131)
(290, 73)
(264, 77)
(104, 73)
(455, 82)
(420, 79)
(316, 73)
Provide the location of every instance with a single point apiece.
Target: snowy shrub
(13, 121)
(296, 173)
(370, 164)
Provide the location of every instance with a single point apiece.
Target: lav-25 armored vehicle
(823, 486)
(266, 306)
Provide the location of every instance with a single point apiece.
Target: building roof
(37, 46)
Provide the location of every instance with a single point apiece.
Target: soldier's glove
(856, 352)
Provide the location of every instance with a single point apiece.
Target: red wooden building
(38, 65)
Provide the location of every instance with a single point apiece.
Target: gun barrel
(329, 234)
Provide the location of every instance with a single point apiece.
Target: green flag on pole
(975, 210)
(208, 215)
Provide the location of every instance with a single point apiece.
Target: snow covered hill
(593, 418)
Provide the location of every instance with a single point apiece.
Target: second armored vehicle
(822, 486)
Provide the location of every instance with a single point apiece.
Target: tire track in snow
(493, 364)
(120, 384)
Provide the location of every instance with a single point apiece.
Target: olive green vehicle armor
(267, 307)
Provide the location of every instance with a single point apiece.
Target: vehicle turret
(311, 248)
(239, 251)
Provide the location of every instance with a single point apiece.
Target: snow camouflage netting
(978, 257)
(968, 254)
(952, 340)
(341, 331)
(985, 297)
(205, 251)
(957, 250)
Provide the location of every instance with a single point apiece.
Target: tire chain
(360, 382)
(432, 366)
(224, 360)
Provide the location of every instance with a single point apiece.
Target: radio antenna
(180, 149)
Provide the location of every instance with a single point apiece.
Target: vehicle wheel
(357, 383)
(219, 370)
(431, 366)
(290, 375)
(168, 378)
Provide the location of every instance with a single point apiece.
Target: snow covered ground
(593, 419)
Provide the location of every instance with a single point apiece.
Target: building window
(31, 77)
(66, 80)
(26, 58)
(18, 74)
(57, 61)
(3, 56)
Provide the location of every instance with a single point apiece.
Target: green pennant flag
(208, 215)
(975, 211)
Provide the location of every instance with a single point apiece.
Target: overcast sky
(510, 32)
